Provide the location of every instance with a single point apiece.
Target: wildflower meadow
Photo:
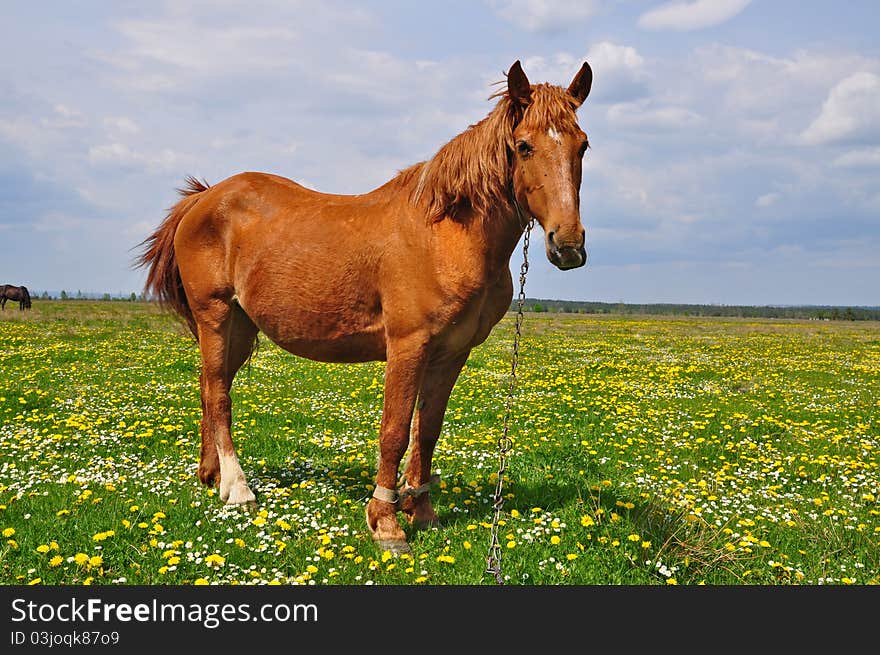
(647, 451)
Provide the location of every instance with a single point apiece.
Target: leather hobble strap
(386, 495)
(415, 492)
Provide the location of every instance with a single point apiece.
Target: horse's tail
(163, 275)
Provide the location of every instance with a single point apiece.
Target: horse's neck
(496, 237)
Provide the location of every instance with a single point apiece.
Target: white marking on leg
(233, 486)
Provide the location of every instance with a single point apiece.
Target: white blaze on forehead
(553, 133)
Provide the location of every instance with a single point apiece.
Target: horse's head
(549, 146)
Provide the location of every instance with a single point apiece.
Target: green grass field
(647, 452)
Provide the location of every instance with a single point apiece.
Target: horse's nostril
(550, 236)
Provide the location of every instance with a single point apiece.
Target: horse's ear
(580, 85)
(518, 87)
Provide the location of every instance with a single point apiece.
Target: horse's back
(303, 265)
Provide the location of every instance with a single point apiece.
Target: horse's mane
(472, 171)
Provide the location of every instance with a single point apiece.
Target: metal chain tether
(505, 443)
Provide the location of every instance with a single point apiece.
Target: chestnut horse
(415, 273)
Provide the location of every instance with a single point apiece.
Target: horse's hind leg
(226, 340)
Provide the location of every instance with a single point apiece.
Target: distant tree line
(815, 312)
(79, 295)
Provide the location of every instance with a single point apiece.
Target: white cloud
(647, 114)
(121, 125)
(202, 49)
(851, 111)
(607, 56)
(862, 158)
(684, 16)
(619, 71)
(768, 199)
(545, 15)
(766, 99)
(119, 154)
(64, 117)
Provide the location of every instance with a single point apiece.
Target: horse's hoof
(394, 546)
(239, 495)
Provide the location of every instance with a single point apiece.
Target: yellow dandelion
(56, 561)
(555, 539)
(215, 560)
(8, 532)
(96, 560)
(200, 581)
(80, 558)
(587, 521)
(449, 559)
(43, 548)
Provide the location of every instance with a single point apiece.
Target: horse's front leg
(437, 383)
(403, 373)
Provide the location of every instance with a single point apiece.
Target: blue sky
(735, 145)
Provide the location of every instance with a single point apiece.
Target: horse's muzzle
(566, 257)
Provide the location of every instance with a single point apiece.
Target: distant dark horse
(21, 294)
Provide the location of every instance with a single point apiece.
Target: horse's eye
(524, 148)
